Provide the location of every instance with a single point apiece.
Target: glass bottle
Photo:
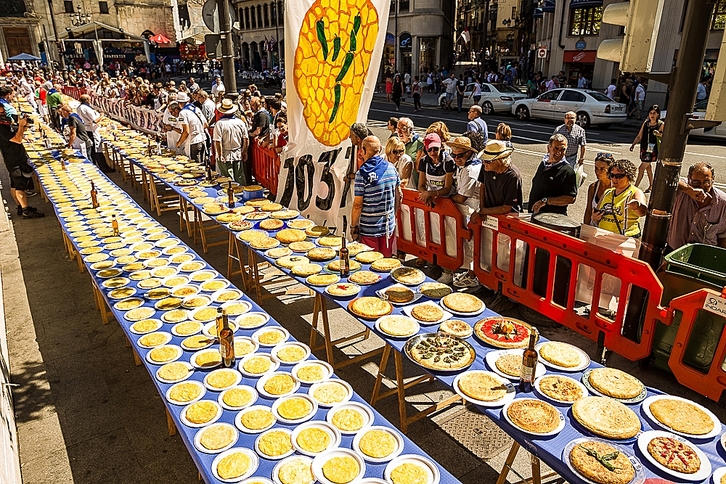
(344, 257)
(529, 363)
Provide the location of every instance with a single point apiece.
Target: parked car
(592, 107)
(494, 98)
(699, 112)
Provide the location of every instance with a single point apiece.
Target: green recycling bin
(692, 267)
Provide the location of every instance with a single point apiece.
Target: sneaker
(31, 193)
(31, 212)
(446, 278)
(20, 210)
(465, 280)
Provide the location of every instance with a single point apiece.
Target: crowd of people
(478, 174)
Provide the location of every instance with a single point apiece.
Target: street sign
(213, 46)
(542, 53)
(210, 15)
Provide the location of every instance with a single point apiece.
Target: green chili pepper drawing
(336, 47)
(353, 41)
(356, 24)
(346, 65)
(320, 28)
(336, 91)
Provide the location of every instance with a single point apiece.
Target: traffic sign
(542, 53)
(210, 15)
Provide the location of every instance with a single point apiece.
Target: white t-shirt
(610, 92)
(466, 180)
(192, 117)
(88, 116)
(231, 132)
(172, 137)
(450, 85)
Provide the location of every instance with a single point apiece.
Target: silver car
(592, 107)
(494, 98)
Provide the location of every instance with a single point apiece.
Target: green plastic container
(692, 267)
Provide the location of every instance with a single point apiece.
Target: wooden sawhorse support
(320, 312)
(400, 389)
(534, 460)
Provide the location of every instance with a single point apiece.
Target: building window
(273, 14)
(585, 21)
(719, 16)
(266, 10)
(68, 5)
(280, 13)
(103, 7)
(253, 16)
(259, 16)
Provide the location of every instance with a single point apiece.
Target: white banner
(333, 52)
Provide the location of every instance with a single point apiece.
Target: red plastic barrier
(444, 209)
(712, 383)
(74, 92)
(631, 272)
(265, 166)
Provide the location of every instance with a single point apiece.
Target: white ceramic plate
(584, 358)
(202, 319)
(379, 460)
(234, 294)
(431, 468)
(262, 317)
(242, 303)
(250, 389)
(639, 471)
(718, 475)
(275, 457)
(313, 388)
(705, 470)
(212, 325)
(118, 306)
(292, 344)
(166, 338)
(556, 431)
(511, 392)
(365, 412)
(285, 335)
(716, 422)
(205, 301)
(171, 382)
(193, 359)
(238, 419)
(201, 448)
(416, 295)
(257, 480)
(177, 402)
(175, 331)
(254, 464)
(237, 378)
(276, 404)
(262, 381)
(276, 469)
(157, 324)
(552, 399)
(327, 371)
(409, 309)
(178, 350)
(324, 457)
(186, 287)
(185, 420)
(274, 364)
(492, 356)
(377, 325)
(332, 432)
(462, 313)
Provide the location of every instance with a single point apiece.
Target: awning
(159, 39)
(585, 3)
(91, 26)
(580, 56)
(548, 6)
(537, 13)
(24, 57)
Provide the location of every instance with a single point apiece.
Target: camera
(27, 119)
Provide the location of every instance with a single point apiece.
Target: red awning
(159, 39)
(580, 56)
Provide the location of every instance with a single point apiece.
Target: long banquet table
(549, 449)
(68, 191)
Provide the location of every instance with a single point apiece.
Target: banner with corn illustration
(333, 50)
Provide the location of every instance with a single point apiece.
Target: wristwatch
(544, 200)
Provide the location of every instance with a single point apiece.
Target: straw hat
(462, 143)
(227, 106)
(494, 150)
(182, 97)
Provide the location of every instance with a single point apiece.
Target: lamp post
(58, 42)
(79, 18)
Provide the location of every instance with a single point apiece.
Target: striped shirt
(575, 138)
(378, 215)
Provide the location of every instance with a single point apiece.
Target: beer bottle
(63, 163)
(230, 195)
(344, 260)
(114, 225)
(94, 196)
(226, 343)
(209, 173)
(219, 321)
(529, 363)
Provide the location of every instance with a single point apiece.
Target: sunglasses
(434, 149)
(397, 152)
(600, 156)
(459, 155)
(617, 176)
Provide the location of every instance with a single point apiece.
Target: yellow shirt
(617, 217)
